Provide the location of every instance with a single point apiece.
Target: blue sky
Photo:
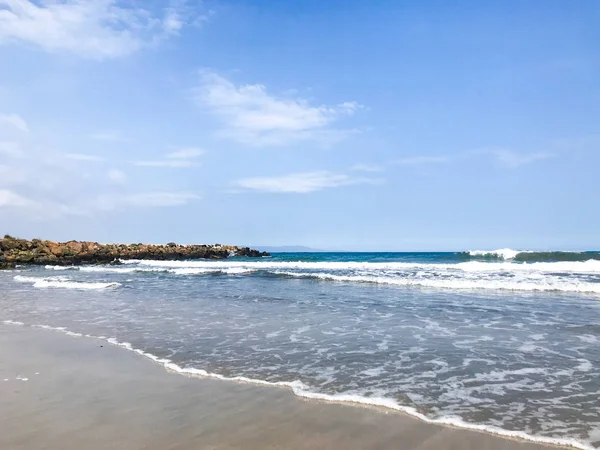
(383, 125)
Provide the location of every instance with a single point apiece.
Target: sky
(343, 125)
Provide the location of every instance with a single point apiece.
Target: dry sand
(82, 394)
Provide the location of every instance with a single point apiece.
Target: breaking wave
(63, 283)
(462, 284)
(530, 256)
(504, 275)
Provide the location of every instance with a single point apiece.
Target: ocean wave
(49, 267)
(302, 390)
(547, 285)
(176, 271)
(563, 276)
(104, 269)
(225, 271)
(588, 266)
(63, 283)
(504, 253)
(509, 254)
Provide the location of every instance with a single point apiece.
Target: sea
(504, 341)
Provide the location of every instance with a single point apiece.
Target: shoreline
(295, 393)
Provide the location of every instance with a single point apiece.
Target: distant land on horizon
(288, 249)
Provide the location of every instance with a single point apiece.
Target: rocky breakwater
(15, 251)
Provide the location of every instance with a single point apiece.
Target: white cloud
(161, 199)
(505, 157)
(36, 210)
(254, 117)
(116, 176)
(9, 198)
(43, 186)
(108, 136)
(14, 120)
(175, 159)
(90, 28)
(83, 157)
(367, 168)
(147, 200)
(186, 153)
(301, 182)
(420, 160)
(513, 159)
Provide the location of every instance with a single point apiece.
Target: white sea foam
(63, 283)
(62, 329)
(166, 268)
(588, 338)
(584, 366)
(504, 253)
(464, 284)
(373, 372)
(584, 267)
(13, 322)
(60, 267)
(104, 269)
(201, 271)
(301, 390)
(563, 276)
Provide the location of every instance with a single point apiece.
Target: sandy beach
(64, 392)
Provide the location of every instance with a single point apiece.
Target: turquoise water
(504, 341)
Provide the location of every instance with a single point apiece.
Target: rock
(21, 251)
(56, 250)
(76, 247)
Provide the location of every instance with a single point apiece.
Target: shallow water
(493, 342)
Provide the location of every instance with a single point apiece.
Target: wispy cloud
(147, 200)
(161, 199)
(36, 209)
(108, 136)
(512, 159)
(83, 157)
(42, 185)
(186, 153)
(505, 157)
(90, 28)
(183, 157)
(254, 117)
(367, 168)
(301, 182)
(421, 160)
(117, 176)
(14, 120)
(10, 198)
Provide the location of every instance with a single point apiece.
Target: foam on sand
(301, 390)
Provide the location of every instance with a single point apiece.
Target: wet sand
(81, 393)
